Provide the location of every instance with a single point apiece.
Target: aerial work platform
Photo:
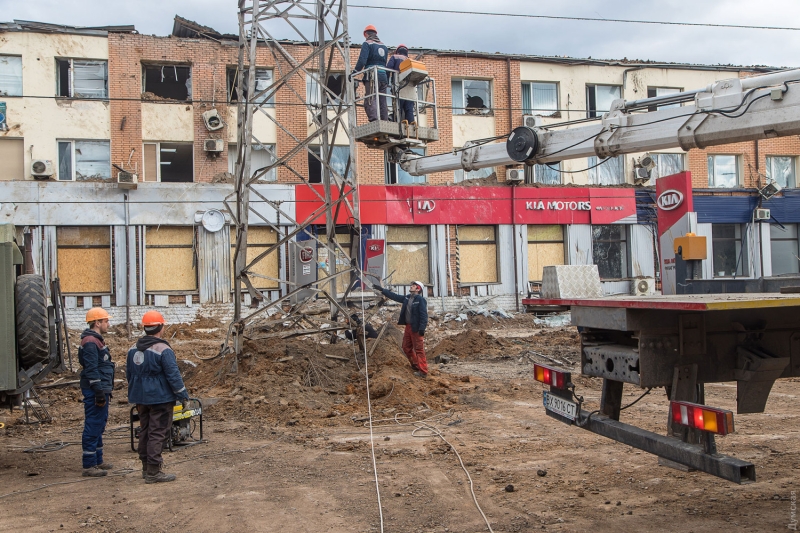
(385, 134)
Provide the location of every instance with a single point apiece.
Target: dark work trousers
(407, 110)
(414, 348)
(155, 422)
(93, 427)
(370, 105)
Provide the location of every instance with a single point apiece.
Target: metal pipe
(127, 266)
(767, 80)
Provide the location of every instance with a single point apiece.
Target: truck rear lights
(702, 417)
(550, 376)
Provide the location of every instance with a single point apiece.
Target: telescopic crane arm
(727, 111)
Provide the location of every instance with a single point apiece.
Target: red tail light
(702, 417)
(551, 376)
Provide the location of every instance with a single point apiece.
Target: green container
(10, 256)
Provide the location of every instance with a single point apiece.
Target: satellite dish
(213, 220)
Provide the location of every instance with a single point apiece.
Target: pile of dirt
(473, 343)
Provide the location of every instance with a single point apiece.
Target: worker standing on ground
(374, 52)
(154, 384)
(414, 315)
(97, 382)
(406, 107)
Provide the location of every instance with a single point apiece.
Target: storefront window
(784, 247)
(610, 251)
(730, 250)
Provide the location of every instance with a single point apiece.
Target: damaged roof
(46, 27)
(190, 29)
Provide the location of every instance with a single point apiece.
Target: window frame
(591, 99)
(532, 173)
(21, 76)
(390, 168)
(312, 97)
(528, 107)
(768, 169)
(795, 240)
(593, 170)
(193, 246)
(561, 242)
(472, 174)
(711, 174)
(460, 242)
(654, 89)
(73, 166)
(658, 156)
(158, 161)
(408, 243)
(109, 247)
(71, 78)
(231, 85)
(317, 150)
(189, 90)
(472, 111)
(625, 260)
(741, 241)
(271, 176)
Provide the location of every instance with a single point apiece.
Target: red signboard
(428, 205)
(673, 199)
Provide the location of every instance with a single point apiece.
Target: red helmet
(399, 46)
(370, 28)
(152, 318)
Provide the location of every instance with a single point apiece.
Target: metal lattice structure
(319, 44)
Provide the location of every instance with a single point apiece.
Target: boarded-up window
(12, 156)
(342, 260)
(259, 239)
(545, 248)
(407, 257)
(84, 259)
(169, 259)
(477, 254)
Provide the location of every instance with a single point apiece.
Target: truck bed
(688, 302)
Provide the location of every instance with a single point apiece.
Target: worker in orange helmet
(405, 107)
(374, 53)
(97, 382)
(154, 385)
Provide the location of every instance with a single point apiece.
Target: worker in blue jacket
(154, 385)
(97, 382)
(406, 106)
(374, 52)
(414, 316)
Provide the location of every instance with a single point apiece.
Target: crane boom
(726, 111)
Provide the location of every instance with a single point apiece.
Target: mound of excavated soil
(469, 344)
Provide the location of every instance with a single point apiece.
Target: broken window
(261, 156)
(471, 97)
(610, 251)
(264, 83)
(540, 98)
(784, 249)
(723, 171)
(477, 254)
(84, 160)
(335, 84)
(545, 248)
(407, 254)
(169, 82)
(169, 162)
(10, 76)
(652, 92)
(395, 175)
(340, 156)
(730, 250)
(460, 175)
(82, 78)
(782, 170)
(549, 173)
(84, 259)
(170, 264)
(609, 171)
(599, 99)
(259, 239)
(12, 154)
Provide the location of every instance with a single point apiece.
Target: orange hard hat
(370, 28)
(399, 46)
(152, 318)
(96, 313)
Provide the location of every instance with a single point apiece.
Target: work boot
(144, 468)
(93, 471)
(155, 475)
(420, 374)
(105, 466)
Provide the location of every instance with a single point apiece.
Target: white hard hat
(419, 284)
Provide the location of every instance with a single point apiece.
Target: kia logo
(375, 248)
(306, 254)
(426, 206)
(669, 200)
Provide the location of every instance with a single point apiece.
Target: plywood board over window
(545, 248)
(259, 239)
(407, 256)
(477, 254)
(84, 259)
(12, 156)
(170, 264)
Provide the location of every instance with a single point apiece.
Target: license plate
(560, 406)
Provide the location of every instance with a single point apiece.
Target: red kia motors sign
(673, 198)
(669, 200)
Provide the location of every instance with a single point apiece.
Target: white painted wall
(42, 121)
(167, 122)
(264, 128)
(471, 127)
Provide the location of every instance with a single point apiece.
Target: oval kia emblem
(669, 200)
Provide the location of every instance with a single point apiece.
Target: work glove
(421, 333)
(100, 399)
(184, 403)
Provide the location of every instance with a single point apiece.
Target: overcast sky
(603, 40)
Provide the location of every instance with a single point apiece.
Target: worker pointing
(97, 382)
(154, 384)
(374, 53)
(414, 315)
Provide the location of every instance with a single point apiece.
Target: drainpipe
(27, 259)
(513, 194)
(127, 266)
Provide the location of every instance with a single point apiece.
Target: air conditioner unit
(212, 120)
(515, 175)
(531, 121)
(643, 286)
(643, 169)
(214, 145)
(763, 214)
(127, 180)
(42, 168)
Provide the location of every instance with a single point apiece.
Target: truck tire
(33, 328)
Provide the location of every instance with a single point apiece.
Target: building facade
(82, 105)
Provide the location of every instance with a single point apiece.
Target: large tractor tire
(33, 328)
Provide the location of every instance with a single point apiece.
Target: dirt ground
(288, 449)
